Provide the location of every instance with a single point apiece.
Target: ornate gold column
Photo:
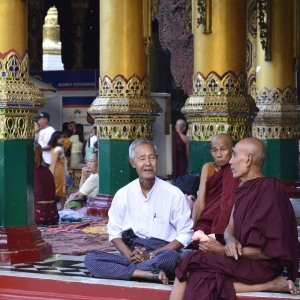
(124, 110)
(219, 102)
(35, 34)
(19, 103)
(251, 46)
(277, 122)
(79, 8)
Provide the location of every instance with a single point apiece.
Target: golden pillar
(219, 102)
(277, 122)
(19, 102)
(124, 110)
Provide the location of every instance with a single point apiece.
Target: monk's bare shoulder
(184, 138)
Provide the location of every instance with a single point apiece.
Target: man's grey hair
(140, 142)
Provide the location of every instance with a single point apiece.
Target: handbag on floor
(188, 184)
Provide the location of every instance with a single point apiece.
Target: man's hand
(139, 255)
(233, 248)
(212, 246)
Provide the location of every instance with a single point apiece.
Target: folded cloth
(199, 235)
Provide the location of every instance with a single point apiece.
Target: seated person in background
(89, 183)
(261, 239)
(212, 209)
(45, 209)
(149, 221)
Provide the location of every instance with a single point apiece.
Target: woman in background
(76, 142)
(45, 209)
(57, 166)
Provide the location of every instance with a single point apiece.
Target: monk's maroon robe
(219, 200)
(263, 217)
(180, 160)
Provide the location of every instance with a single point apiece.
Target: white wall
(54, 104)
(162, 130)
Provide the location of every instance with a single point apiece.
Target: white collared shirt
(43, 139)
(164, 214)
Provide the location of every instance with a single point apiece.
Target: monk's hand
(233, 248)
(212, 246)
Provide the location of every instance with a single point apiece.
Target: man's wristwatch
(151, 255)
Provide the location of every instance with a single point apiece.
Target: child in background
(57, 166)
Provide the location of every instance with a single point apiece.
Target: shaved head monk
(261, 239)
(180, 149)
(212, 209)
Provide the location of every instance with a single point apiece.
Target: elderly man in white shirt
(149, 222)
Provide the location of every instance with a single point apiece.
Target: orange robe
(59, 176)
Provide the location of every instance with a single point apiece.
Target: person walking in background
(65, 125)
(90, 119)
(180, 149)
(45, 209)
(72, 127)
(89, 146)
(37, 129)
(57, 166)
(45, 134)
(76, 142)
(67, 146)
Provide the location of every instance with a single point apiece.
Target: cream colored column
(121, 39)
(124, 110)
(219, 102)
(277, 122)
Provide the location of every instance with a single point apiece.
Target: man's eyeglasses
(91, 161)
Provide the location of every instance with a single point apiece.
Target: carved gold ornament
(278, 117)
(147, 26)
(154, 8)
(219, 104)
(124, 109)
(204, 8)
(19, 99)
(264, 24)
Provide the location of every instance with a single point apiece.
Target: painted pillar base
(22, 245)
(99, 206)
(115, 171)
(199, 155)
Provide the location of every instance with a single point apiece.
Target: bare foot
(281, 285)
(161, 276)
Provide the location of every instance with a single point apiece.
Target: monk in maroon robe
(213, 206)
(179, 149)
(261, 239)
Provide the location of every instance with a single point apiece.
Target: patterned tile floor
(61, 265)
(71, 269)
